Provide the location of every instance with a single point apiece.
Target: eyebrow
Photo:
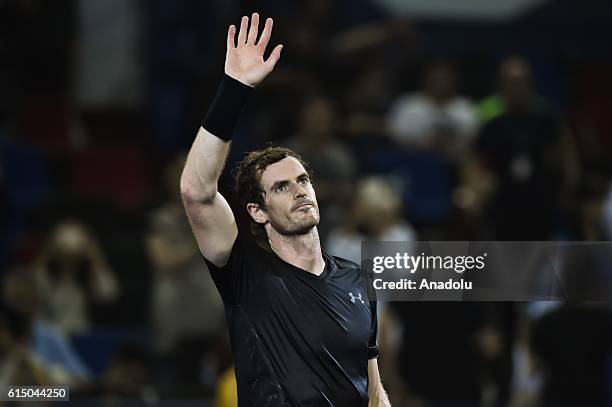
(283, 182)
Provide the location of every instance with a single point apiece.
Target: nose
(300, 191)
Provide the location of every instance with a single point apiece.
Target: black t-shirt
(298, 339)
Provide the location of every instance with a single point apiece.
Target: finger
(231, 37)
(274, 56)
(242, 34)
(254, 30)
(266, 33)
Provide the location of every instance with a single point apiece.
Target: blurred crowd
(412, 135)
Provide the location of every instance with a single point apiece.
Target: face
(441, 81)
(317, 120)
(516, 84)
(69, 240)
(291, 203)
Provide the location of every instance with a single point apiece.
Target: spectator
(22, 292)
(18, 364)
(436, 117)
(185, 301)
(74, 276)
(367, 101)
(376, 215)
(515, 88)
(127, 377)
(525, 155)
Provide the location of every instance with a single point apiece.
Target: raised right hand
(244, 61)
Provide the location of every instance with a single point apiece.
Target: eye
(304, 181)
(281, 188)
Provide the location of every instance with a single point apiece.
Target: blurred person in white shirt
(376, 214)
(436, 117)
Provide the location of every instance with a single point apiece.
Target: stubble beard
(302, 226)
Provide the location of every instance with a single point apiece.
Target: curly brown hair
(248, 176)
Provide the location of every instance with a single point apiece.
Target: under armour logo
(353, 298)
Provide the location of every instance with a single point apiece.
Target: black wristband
(227, 107)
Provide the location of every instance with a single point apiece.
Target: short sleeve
(373, 341)
(366, 281)
(239, 275)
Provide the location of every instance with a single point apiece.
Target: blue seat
(26, 174)
(97, 347)
(427, 179)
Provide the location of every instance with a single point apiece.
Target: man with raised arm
(302, 326)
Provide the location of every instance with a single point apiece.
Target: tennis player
(302, 326)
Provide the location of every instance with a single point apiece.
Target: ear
(258, 214)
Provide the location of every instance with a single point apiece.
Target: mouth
(305, 205)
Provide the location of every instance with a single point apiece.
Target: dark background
(102, 99)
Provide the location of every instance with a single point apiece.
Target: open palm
(244, 60)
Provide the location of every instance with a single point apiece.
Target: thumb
(274, 56)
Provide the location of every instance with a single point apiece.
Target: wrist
(241, 80)
(226, 109)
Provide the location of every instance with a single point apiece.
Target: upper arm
(210, 216)
(214, 228)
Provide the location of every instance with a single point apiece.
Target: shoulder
(462, 108)
(248, 245)
(461, 102)
(344, 264)
(349, 269)
(244, 251)
(409, 101)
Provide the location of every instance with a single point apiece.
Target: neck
(440, 100)
(303, 251)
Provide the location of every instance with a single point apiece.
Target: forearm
(203, 168)
(379, 397)
(208, 153)
(376, 392)
(244, 69)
